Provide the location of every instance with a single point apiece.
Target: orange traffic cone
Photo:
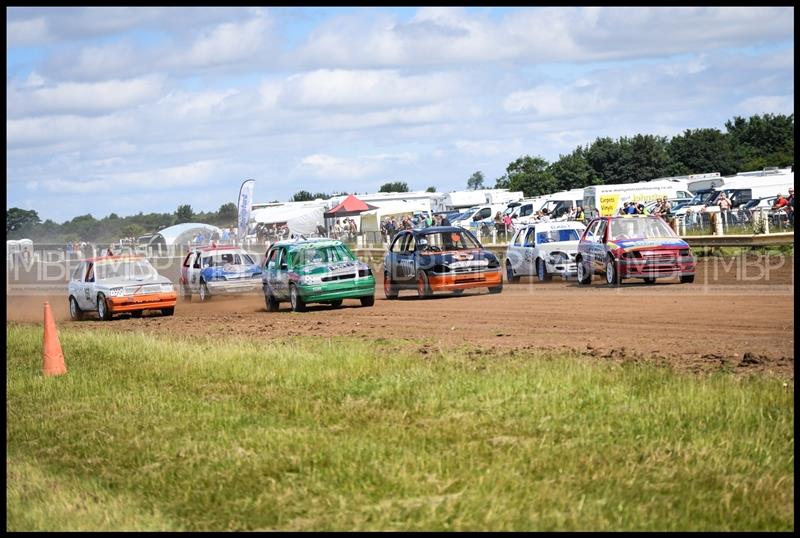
(52, 357)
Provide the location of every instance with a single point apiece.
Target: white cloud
(367, 88)
(763, 104)
(86, 98)
(160, 179)
(336, 168)
(226, 43)
(26, 32)
(549, 101)
(51, 129)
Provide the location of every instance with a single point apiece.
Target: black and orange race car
(439, 258)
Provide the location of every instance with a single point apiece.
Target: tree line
(747, 144)
(22, 223)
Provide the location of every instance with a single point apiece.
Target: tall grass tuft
(150, 433)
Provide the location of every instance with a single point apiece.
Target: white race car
(543, 249)
(114, 284)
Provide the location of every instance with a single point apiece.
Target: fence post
(718, 230)
(765, 220)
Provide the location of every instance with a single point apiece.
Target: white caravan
(606, 200)
(742, 188)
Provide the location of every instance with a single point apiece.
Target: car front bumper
(655, 269)
(333, 291)
(150, 301)
(569, 269)
(244, 285)
(462, 281)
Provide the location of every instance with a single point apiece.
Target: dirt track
(737, 315)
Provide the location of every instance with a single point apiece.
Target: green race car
(323, 270)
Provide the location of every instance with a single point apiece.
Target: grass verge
(147, 433)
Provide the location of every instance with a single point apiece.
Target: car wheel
(541, 270)
(687, 279)
(75, 312)
(584, 275)
(389, 289)
(612, 272)
(168, 311)
(336, 303)
(296, 301)
(510, 276)
(368, 301)
(102, 308)
(649, 280)
(204, 293)
(272, 303)
(423, 286)
(137, 313)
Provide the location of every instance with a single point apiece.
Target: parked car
(633, 246)
(439, 258)
(114, 284)
(544, 249)
(317, 270)
(216, 270)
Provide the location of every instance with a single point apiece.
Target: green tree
(184, 213)
(701, 151)
(302, 196)
(761, 141)
(475, 181)
(20, 220)
(397, 186)
(571, 171)
(604, 157)
(501, 182)
(430, 189)
(227, 213)
(531, 176)
(132, 230)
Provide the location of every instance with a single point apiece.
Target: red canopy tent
(348, 207)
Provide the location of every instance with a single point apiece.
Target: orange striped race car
(114, 284)
(439, 258)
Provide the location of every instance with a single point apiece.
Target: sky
(130, 110)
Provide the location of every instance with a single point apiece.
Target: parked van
(478, 213)
(559, 204)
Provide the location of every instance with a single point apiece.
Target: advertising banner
(245, 204)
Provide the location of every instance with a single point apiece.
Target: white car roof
(557, 225)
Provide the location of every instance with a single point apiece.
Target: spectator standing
(508, 225)
(790, 206)
(724, 204)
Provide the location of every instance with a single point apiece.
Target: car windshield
(701, 197)
(639, 228)
(551, 236)
(221, 259)
(455, 240)
(129, 269)
(326, 254)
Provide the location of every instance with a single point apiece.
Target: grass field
(145, 433)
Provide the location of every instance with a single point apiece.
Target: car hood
(656, 243)
(560, 246)
(122, 281)
(452, 256)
